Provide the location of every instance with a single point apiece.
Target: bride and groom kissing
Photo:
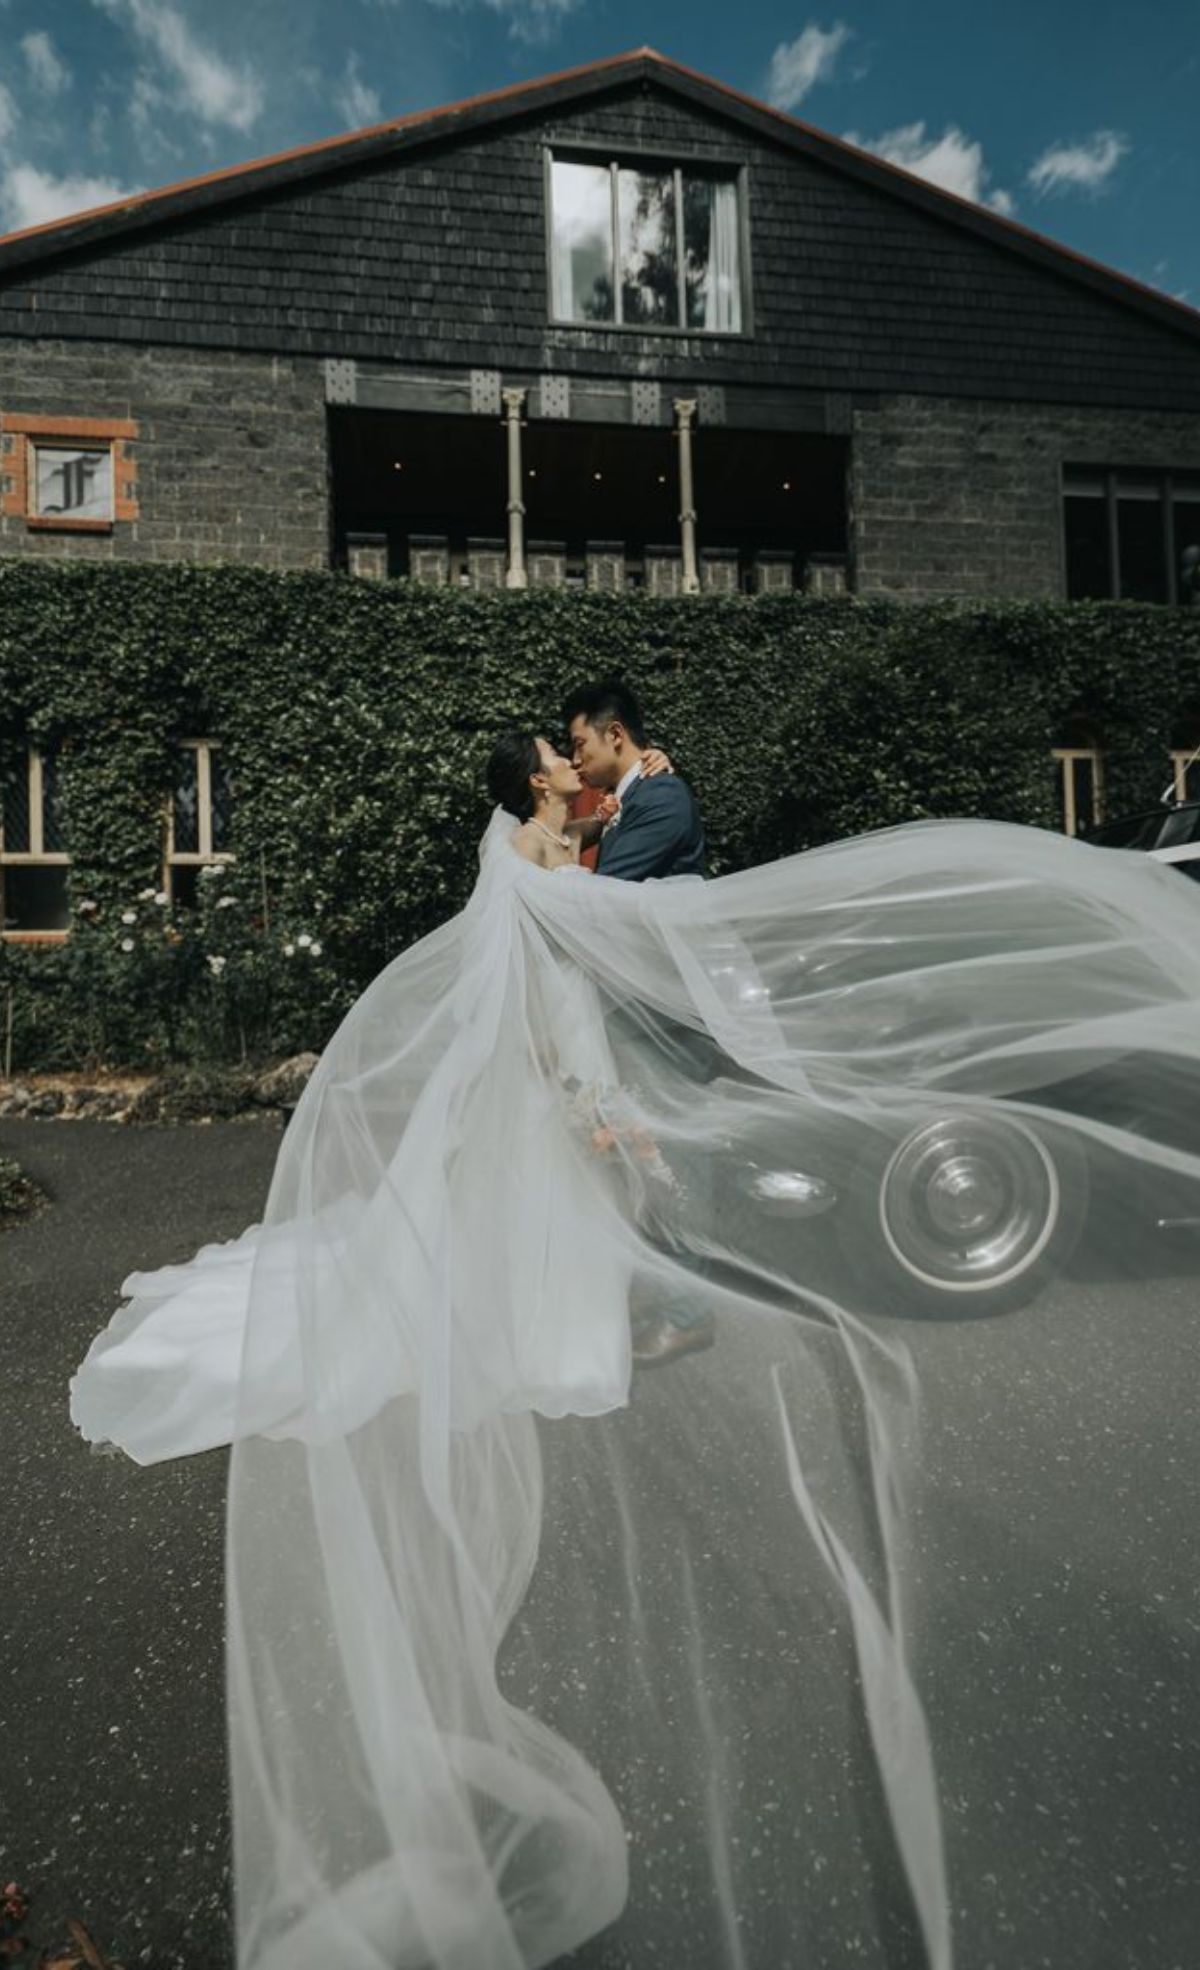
(646, 826)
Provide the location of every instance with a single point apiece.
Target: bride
(525, 1658)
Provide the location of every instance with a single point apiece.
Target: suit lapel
(610, 829)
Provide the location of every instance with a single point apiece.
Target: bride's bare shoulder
(526, 844)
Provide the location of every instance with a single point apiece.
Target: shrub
(355, 718)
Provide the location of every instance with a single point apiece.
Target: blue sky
(1079, 119)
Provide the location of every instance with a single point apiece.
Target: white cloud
(151, 116)
(49, 72)
(531, 21)
(203, 83)
(8, 114)
(797, 66)
(355, 101)
(953, 161)
(1085, 167)
(31, 197)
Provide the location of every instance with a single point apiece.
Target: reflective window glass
(582, 255)
(649, 262)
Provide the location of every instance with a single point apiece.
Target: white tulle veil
(530, 1655)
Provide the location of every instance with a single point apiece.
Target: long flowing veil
(837, 1641)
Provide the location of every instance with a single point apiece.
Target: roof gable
(309, 164)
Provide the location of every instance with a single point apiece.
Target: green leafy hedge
(356, 717)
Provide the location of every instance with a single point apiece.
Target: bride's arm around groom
(657, 829)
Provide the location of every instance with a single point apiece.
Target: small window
(73, 484)
(1131, 535)
(1079, 788)
(1185, 525)
(33, 856)
(199, 818)
(69, 473)
(645, 246)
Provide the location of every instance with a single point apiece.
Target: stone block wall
(231, 451)
(962, 497)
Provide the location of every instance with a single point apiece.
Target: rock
(48, 1102)
(98, 1103)
(282, 1086)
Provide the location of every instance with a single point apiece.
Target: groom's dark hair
(601, 703)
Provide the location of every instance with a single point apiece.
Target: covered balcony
(506, 502)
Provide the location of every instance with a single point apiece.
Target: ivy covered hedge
(355, 718)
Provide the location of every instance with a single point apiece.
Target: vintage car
(1168, 833)
(945, 1196)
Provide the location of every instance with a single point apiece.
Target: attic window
(646, 246)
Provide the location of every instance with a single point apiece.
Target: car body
(1168, 833)
(948, 1197)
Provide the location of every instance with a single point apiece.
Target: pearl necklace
(560, 841)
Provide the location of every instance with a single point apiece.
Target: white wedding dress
(494, 1634)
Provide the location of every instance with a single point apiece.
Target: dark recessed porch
(602, 501)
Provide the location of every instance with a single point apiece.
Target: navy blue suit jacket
(659, 833)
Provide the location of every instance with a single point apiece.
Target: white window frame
(1065, 757)
(1181, 758)
(37, 855)
(204, 855)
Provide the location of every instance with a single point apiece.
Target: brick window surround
(21, 431)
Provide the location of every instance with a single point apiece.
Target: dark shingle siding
(439, 258)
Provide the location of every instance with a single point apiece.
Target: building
(621, 327)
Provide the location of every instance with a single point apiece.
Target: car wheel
(969, 1213)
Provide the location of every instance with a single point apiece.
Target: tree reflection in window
(672, 235)
(186, 836)
(52, 833)
(222, 803)
(17, 814)
(649, 269)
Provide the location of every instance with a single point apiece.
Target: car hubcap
(969, 1202)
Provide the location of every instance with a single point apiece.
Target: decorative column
(685, 411)
(514, 404)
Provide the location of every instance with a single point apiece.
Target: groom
(656, 831)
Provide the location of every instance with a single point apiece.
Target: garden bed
(177, 1094)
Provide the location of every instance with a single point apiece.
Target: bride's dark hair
(514, 758)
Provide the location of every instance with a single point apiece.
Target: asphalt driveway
(113, 1775)
(1064, 1468)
